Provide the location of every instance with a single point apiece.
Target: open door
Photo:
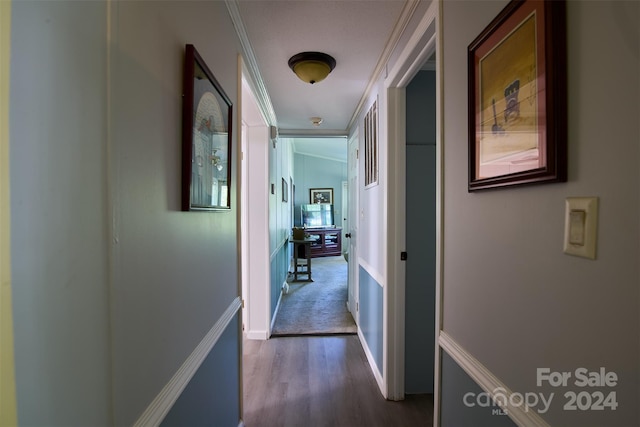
(352, 222)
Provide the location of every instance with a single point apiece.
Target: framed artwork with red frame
(518, 97)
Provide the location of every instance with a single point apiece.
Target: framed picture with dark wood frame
(206, 138)
(321, 195)
(518, 97)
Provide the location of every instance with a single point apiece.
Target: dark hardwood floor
(320, 381)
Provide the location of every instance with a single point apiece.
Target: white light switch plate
(581, 226)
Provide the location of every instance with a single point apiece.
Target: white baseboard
(275, 313)
(372, 362)
(490, 383)
(257, 335)
(160, 406)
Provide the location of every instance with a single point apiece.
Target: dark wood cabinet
(326, 241)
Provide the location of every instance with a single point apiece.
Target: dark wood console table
(301, 250)
(326, 241)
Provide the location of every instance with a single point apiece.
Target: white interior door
(352, 225)
(345, 214)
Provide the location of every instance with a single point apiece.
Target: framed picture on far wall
(321, 195)
(518, 97)
(285, 190)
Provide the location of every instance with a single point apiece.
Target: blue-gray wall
(421, 236)
(214, 389)
(280, 221)
(463, 402)
(371, 315)
(279, 270)
(315, 172)
(421, 109)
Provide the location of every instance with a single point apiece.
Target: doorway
(421, 231)
(270, 185)
(423, 46)
(316, 303)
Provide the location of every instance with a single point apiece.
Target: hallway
(320, 381)
(316, 307)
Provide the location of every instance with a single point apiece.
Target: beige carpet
(318, 307)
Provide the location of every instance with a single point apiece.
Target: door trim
(353, 222)
(8, 414)
(425, 40)
(255, 256)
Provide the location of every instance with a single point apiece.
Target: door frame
(254, 173)
(425, 40)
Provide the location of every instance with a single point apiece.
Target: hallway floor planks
(320, 381)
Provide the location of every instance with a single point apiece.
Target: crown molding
(405, 16)
(421, 45)
(312, 133)
(251, 65)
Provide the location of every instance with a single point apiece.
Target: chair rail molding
(520, 414)
(161, 405)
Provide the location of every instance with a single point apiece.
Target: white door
(352, 224)
(345, 214)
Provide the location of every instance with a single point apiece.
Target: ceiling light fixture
(312, 67)
(316, 121)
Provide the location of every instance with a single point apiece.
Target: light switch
(581, 226)
(576, 227)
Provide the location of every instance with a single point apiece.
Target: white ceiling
(357, 33)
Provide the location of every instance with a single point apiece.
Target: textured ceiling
(354, 32)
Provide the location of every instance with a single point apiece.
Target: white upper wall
(372, 201)
(512, 298)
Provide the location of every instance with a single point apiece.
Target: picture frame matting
(517, 97)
